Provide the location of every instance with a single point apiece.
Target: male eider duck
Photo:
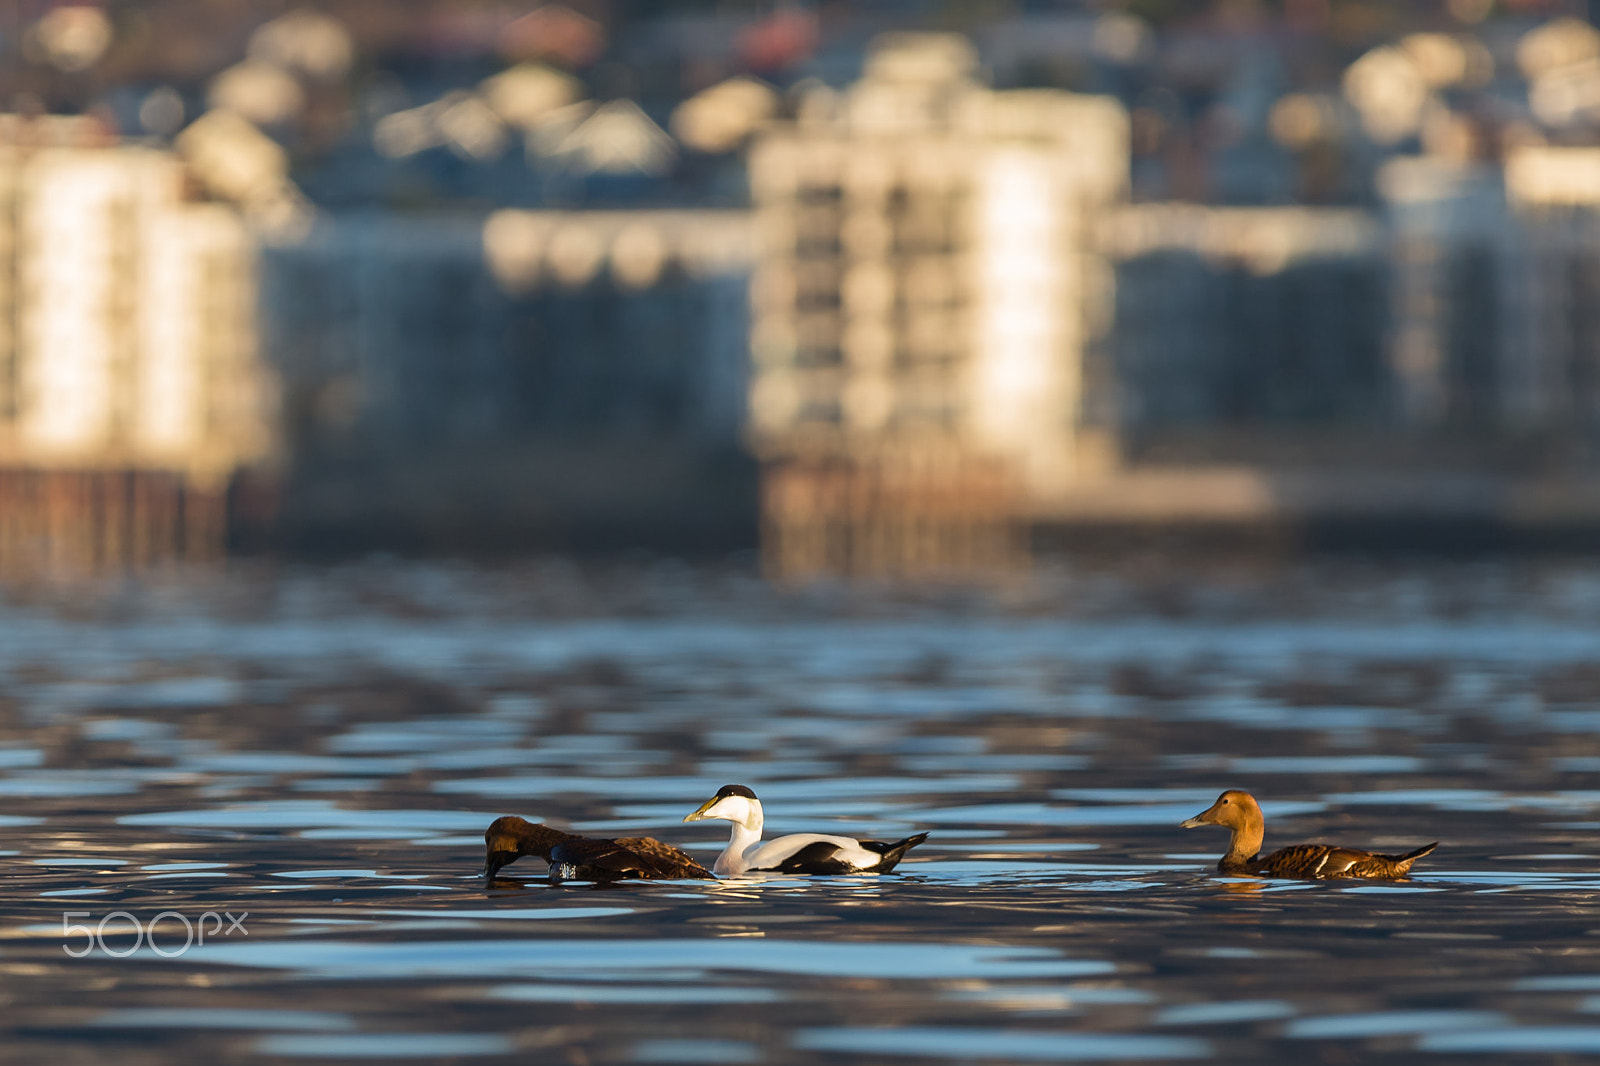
(577, 858)
(798, 853)
(1240, 812)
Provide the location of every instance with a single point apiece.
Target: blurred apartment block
(928, 294)
(130, 382)
(1496, 278)
(1230, 315)
(574, 378)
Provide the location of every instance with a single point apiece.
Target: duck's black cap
(735, 790)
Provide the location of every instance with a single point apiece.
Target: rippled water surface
(310, 758)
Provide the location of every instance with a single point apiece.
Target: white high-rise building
(130, 390)
(127, 324)
(927, 280)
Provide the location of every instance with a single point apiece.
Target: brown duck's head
(1234, 809)
(509, 838)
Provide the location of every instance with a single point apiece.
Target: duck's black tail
(893, 853)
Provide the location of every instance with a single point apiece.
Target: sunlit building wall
(128, 316)
(130, 391)
(926, 280)
(202, 399)
(75, 238)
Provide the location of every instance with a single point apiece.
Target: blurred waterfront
(319, 750)
(880, 288)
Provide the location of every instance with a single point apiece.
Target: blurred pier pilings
(77, 522)
(912, 516)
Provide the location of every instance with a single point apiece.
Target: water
(310, 758)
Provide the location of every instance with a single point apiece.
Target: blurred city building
(566, 378)
(1550, 376)
(1229, 316)
(1497, 279)
(1453, 342)
(927, 294)
(130, 386)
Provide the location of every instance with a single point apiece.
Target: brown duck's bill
(700, 811)
(1193, 823)
(493, 864)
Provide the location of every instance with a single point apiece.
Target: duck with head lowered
(797, 853)
(1240, 812)
(578, 858)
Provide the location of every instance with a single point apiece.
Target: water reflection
(1522, 1040)
(696, 1051)
(298, 749)
(1248, 1010)
(1392, 1023)
(352, 960)
(220, 1018)
(969, 1044)
(617, 993)
(386, 1045)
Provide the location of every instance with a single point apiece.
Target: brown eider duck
(1240, 812)
(578, 858)
(797, 853)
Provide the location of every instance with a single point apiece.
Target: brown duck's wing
(1306, 861)
(666, 861)
(601, 860)
(1322, 862)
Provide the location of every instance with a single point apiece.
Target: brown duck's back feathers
(642, 857)
(1325, 862)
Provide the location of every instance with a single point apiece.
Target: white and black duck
(797, 853)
